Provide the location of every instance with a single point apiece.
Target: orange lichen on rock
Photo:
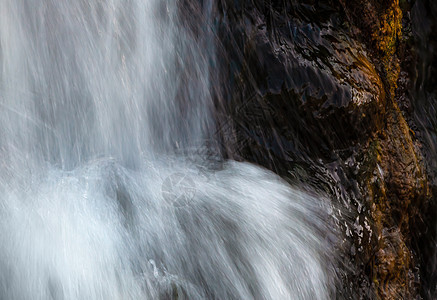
(395, 180)
(380, 28)
(389, 29)
(396, 188)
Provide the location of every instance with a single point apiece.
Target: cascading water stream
(97, 98)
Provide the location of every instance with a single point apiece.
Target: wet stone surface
(303, 76)
(319, 92)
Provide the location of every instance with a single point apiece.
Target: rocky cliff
(321, 92)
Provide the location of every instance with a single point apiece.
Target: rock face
(423, 120)
(318, 91)
(400, 187)
(307, 78)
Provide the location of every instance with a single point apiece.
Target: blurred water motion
(97, 99)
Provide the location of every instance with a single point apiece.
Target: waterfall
(98, 101)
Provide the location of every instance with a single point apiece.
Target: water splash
(96, 99)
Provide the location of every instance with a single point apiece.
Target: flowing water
(99, 101)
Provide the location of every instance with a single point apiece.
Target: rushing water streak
(96, 98)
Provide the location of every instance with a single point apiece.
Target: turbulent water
(99, 101)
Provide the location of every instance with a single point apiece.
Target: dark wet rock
(305, 87)
(319, 91)
(378, 22)
(423, 120)
(400, 190)
(396, 188)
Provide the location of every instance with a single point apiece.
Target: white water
(95, 98)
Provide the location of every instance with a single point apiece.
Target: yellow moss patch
(390, 29)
